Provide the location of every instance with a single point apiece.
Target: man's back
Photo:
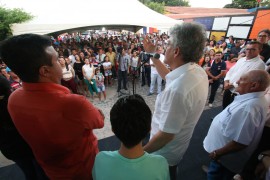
(58, 127)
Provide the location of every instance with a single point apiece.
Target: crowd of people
(58, 137)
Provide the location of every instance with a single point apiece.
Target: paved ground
(106, 105)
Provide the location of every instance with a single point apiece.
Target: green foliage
(265, 3)
(10, 16)
(168, 2)
(158, 7)
(242, 4)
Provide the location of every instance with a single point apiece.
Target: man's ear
(177, 52)
(44, 71)
(255, 86)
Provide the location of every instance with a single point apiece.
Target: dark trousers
(228, 98)
(214, 88)
(173, 172)
(248, 171)
(71, 84)
(114, 75)
(122, 76)
(218, 172)
(146, 74)
(31, 169)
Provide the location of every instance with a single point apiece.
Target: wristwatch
(261, 156)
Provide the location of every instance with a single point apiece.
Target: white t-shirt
(88, 71)
(134, 61)
(178, 108)
(107, 64)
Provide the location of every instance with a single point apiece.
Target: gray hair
(190, 38)
(260, 76)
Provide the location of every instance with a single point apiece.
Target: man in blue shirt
(215, 73)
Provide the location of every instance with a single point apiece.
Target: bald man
(235, 132)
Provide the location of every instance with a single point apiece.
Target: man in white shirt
(155, 77)
(180, 105)
(235, 132)
(252, 61)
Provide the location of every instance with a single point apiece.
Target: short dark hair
(256, 42)
(267, 31)
(25, 54)
(130, 118)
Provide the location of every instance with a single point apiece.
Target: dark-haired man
(55, 123)
(215, 72)
(264, 37)
(130, 118)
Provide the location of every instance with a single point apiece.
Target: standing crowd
(49, 118)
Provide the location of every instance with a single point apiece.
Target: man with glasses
(251, 61)
(264, 37)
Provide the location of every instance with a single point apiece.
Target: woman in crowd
(68, 75)
(89, 77)
(206, 62)
(212, 54)
(77, 66)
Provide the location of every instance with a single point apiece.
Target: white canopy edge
(53, 16)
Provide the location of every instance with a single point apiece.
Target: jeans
(218, 172)
(122, 76)
(155, 78)
(146, 73)
(214, 88)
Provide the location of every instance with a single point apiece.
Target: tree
(265, 3)
(242, 4)
(11, 16)
(173, 2)
(158, 7)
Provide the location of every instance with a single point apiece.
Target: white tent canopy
(56, 16)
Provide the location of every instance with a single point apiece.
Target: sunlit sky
(209, 3)
(193, 3)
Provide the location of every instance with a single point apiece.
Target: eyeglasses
(251, 49)
(264, 36)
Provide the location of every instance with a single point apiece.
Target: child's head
(130, 118)
(97, 71)
(106, 59)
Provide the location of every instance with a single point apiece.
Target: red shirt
(58, 127)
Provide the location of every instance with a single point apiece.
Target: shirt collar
(253, 59)
(45, 87)
(179, 71)
(249, 96)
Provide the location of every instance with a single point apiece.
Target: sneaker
(237, 177)
(210, 105)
